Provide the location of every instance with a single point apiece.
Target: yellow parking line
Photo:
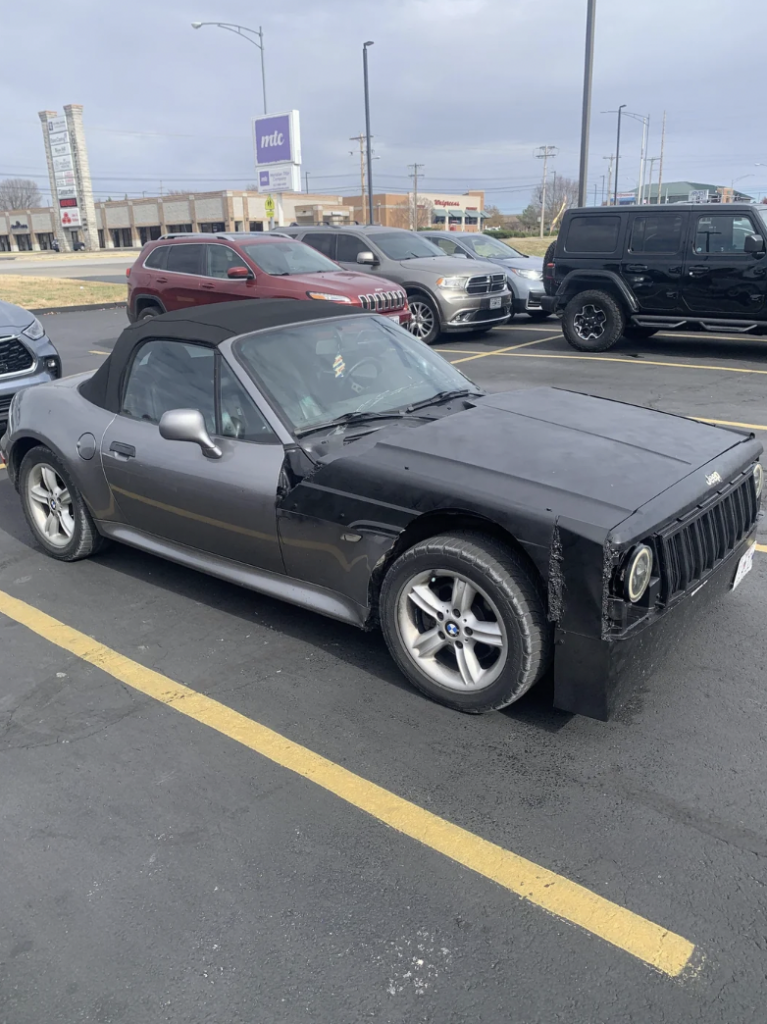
(504, 351)
(2, 465)
(731, 423)
(762, 548)
(655, 945)
(618, 359)
(97, 352)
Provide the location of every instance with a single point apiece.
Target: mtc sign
(277, 146)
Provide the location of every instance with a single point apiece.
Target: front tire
(148, 312)
(55, 510)
(464, 618)
(593, 321)
(424, 318)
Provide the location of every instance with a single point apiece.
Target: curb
(78, 309)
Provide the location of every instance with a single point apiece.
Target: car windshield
(483, 245)
(320, 372)
(406, 245)
(285, 257)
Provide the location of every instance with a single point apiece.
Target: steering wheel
(360, 387)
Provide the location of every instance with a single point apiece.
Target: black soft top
(208, 325)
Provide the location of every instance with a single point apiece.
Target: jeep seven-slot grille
(691, 549)
(14, 357)
(486, 283)
(381, 302)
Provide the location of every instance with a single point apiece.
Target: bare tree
(19, 194)
(176, 191)
(559, 190)
(402, 215)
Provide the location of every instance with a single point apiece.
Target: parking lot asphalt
(243, 852)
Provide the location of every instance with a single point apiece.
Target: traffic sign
(269, 206)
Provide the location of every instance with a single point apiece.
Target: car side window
(157, 258)
(220, 259)
(323, 242)
(239, 417)
(656, 233)
(185, 259)
(348, 247)
(447, 245)
(722, 233)
(168, 375)
(593, 234)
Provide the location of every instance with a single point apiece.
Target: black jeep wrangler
(632, 271)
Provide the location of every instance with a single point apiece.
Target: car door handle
(637, 268)
(161, 280)
(697, 271)
(208, 287)
(121, 448)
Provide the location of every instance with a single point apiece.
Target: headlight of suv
(636, 579)
(531, 275)
(329, 297)
(35, 331)
(759, 479)
(453, 284)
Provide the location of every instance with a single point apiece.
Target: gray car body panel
(526, 293)
(419, 274)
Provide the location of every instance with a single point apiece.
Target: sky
(467, 88)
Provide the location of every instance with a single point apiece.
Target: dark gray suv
(444, 296)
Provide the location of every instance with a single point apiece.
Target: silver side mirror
(367, 258)
(188, 425)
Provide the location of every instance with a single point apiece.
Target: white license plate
(495, 303)
(745, 565)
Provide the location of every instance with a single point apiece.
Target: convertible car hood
(573, 454)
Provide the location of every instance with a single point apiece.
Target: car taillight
(127, 271)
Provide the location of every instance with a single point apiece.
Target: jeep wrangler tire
(593, 321)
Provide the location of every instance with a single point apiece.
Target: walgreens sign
(277, 139)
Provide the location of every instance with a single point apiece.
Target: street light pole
(621, 108)
(244, 33)
(367, 129)
(583, 172)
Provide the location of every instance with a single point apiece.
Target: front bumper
(40, 373)
(549, 303)
(592, 675)
(466, 313)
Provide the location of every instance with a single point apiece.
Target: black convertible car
(329, 458)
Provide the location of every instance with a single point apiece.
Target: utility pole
(603, 190)
(595, 191)
(642, 157)
(611, 158)
(618, 151)
(662, 147)
(361, 139)
(415, 168)
(367, 129)
(544, 152)
(591, 17)
(306, 177)
(652, 162)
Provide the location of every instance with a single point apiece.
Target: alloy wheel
(452, 630)
(51, 505)
(590, 323)
(421, 319)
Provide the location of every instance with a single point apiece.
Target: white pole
(640, 190)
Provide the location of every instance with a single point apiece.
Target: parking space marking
(731, 423)
(97, 352)
(643, 939)
(762, 548)
(508, 350)
(620, 359)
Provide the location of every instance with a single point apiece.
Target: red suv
(191, 270)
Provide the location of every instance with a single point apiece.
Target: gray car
(524, 273)
(27, 356)
(443, 298)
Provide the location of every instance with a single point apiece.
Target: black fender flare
(589, 277)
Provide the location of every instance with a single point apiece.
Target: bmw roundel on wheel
(325, 456)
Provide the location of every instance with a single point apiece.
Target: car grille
(14, 357)
(381, 302)
(5, 405)
(486, 283)
(692, 548)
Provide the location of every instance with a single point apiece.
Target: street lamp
(619, 111)
(246, 33)
(591, 16)
(367, 129)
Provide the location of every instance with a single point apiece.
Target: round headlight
(638, 572)
(759, 479)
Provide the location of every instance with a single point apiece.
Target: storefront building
(463, 212)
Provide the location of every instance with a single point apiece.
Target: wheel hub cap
(590, 323)
(50, 505)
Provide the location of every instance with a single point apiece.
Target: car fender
(419, 286)
(591, 278)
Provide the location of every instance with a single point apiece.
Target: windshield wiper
(444, 396)
(359, 416)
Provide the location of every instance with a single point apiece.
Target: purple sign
(273, 141)
(263, 179)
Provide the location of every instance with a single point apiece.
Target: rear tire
(54, 509)
(634, 332)
(148, 312)
(593, 321)
(496, 647)
(424, 318)
(548, 280)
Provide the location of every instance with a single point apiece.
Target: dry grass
(43, 292)
(530, 246)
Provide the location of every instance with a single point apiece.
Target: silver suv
(27, 356)
(444, 296)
